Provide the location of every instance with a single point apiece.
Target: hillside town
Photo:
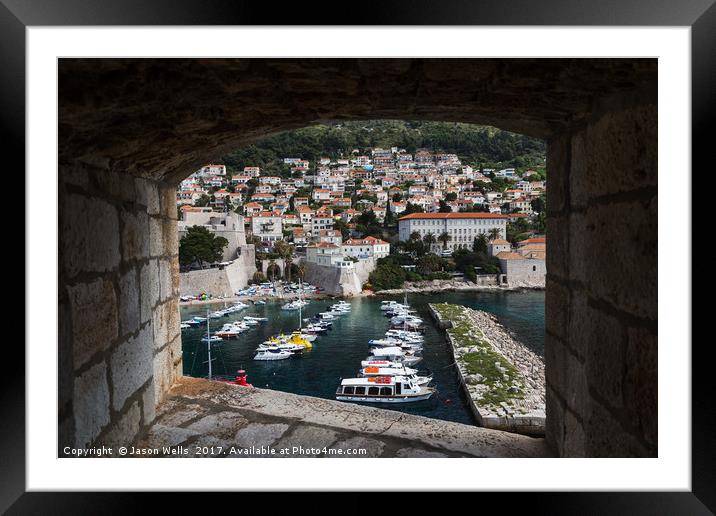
(370, 221)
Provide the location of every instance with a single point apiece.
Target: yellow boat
(296, 338)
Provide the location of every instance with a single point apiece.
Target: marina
(339, 352)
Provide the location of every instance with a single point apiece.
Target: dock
(502, 379)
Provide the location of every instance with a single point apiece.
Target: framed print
(301, 242)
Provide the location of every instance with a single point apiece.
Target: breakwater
(503, 380)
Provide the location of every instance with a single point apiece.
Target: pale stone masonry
(118, 306)
(123, 149)
(200, 413)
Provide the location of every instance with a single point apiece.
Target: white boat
(184, 326)
(326, 315)
(257, 319)
(283, 346)
(394, 354)
(383, 389)
(259, 302)
(396, 371)
(211, 338)
(278, 354)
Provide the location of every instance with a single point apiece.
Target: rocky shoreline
(502, 378)
(453, 286)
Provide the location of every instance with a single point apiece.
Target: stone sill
(199, 412)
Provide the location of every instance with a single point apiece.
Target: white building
(462, 227)
(267, 226)
(366, 248)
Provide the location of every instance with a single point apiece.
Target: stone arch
(277, 262)
(130, 129)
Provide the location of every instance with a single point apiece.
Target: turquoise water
(338, 353)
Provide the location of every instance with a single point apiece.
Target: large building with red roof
(462, 227)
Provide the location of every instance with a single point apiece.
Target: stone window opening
(119, 346)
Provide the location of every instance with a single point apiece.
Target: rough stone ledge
(241, 416)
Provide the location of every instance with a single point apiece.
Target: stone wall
(220, 282)
(119, 342)
(337, 281)
(601, 299)
(524, 273)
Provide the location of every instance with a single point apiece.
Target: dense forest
(475, 145)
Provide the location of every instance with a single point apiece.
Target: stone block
(94, 318)
(606, 437)
(558, 177)
(165, 369)
(147, 195)
(556, 308)
(135, 235)
(641, 382)
(89, 235)
(90, 404)
(131, 367)
(65, 363)
(125, 430)
(558, 238)
(373, 448)
(168, 201)
(149, 283)
(149, 406)
(259, 434)
(573, 436)
(581, 238)
(222, 425)
(621, 247)
(156, 237)
(618, 153)
(165, 323)
(417, 453)
(129, 300)
(165, 279)
(604, 361)
(307, 436)
(554, 422)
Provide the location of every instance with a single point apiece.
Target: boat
(211, 338)
(394, 354)
(315, 329)
(396, 371)
(259, 302)
(271, 354)
(326, 315)
(383, 389)
(257, 319)
(184, 326)
(195, 321)
(280, 346)
(295, 338)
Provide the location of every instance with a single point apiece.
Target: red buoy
(241, 379)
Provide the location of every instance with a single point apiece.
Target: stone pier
(503, 380)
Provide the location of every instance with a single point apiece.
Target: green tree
(200, 245)
(479, 245)
(430, 263)
(429, 239)
(494, 234)
(285, 251)
(444, 238)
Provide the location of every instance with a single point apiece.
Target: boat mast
(208, 341)
(300, 304)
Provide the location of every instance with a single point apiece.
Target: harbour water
(337, 354)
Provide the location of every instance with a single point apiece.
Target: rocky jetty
(503, 379)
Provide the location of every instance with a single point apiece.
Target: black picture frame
(700, 15)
